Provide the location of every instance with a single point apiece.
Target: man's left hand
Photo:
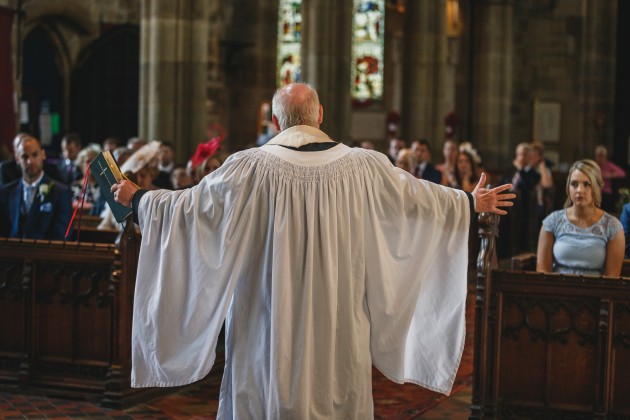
(489, 200)
(124, 192)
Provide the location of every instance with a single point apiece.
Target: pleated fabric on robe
(320, 263)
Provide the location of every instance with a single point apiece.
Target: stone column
(599, 76)
(174, 44)
(424, 72)
(492, 81)
(249, 64)
(326, 56)
(8, 115)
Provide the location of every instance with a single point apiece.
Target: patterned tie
(30, 196)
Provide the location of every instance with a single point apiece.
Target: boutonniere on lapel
(44, 189)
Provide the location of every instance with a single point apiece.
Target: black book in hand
(107, 173)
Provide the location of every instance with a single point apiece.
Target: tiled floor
(11, 407)
(200, 400)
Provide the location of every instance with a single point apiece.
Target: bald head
(296, 104)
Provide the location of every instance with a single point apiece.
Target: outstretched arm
(489, 200)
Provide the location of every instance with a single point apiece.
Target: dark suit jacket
(10, 171)
(68, 173)
(430, 173)
(163, 180)
(625, 222)
(49, 215)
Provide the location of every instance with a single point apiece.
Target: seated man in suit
(625, 222)
(69, 169)
(34, 206)
(425, 169)
(10, 170)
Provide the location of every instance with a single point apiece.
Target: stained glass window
(289, 66)
(367, 49)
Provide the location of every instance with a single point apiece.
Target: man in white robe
(321, 259)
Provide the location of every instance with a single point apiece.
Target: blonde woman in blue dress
(582, 238)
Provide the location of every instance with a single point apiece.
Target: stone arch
(79, 15)
(71, 25)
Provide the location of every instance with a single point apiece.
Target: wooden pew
(527, 261)
(89, 231)
(65, 318)
(548, 345)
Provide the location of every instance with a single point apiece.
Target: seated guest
(447, 168)
(625, 222)
(207, 166)
(180, 178)
(467, 146)
(94, 202)
(35, 206)
(10, 169)
(110, 144)
(610, 173)
(166, 165)
(68, 168)
(205, 160)
(135, 143)
(465, 172)
(425, 169)
(406, 160)
(516, 229)
(395, 146)
(581, 238)
(121, 154)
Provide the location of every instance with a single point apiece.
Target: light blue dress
(579, 250)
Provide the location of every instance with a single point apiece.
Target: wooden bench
(548, 345)
(89, 231)
(65, 318)
(527, 262)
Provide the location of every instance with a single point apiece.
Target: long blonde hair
(590, 168)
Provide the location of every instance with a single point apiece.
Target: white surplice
(321, 264)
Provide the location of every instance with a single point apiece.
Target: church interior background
(494, 73)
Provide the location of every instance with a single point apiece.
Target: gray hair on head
(296, 104)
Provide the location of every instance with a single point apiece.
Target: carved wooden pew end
(548, 345)
(65, 318)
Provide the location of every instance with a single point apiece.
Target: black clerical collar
(312, 147)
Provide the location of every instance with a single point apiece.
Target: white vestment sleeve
(183, 286)
(416, 266)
